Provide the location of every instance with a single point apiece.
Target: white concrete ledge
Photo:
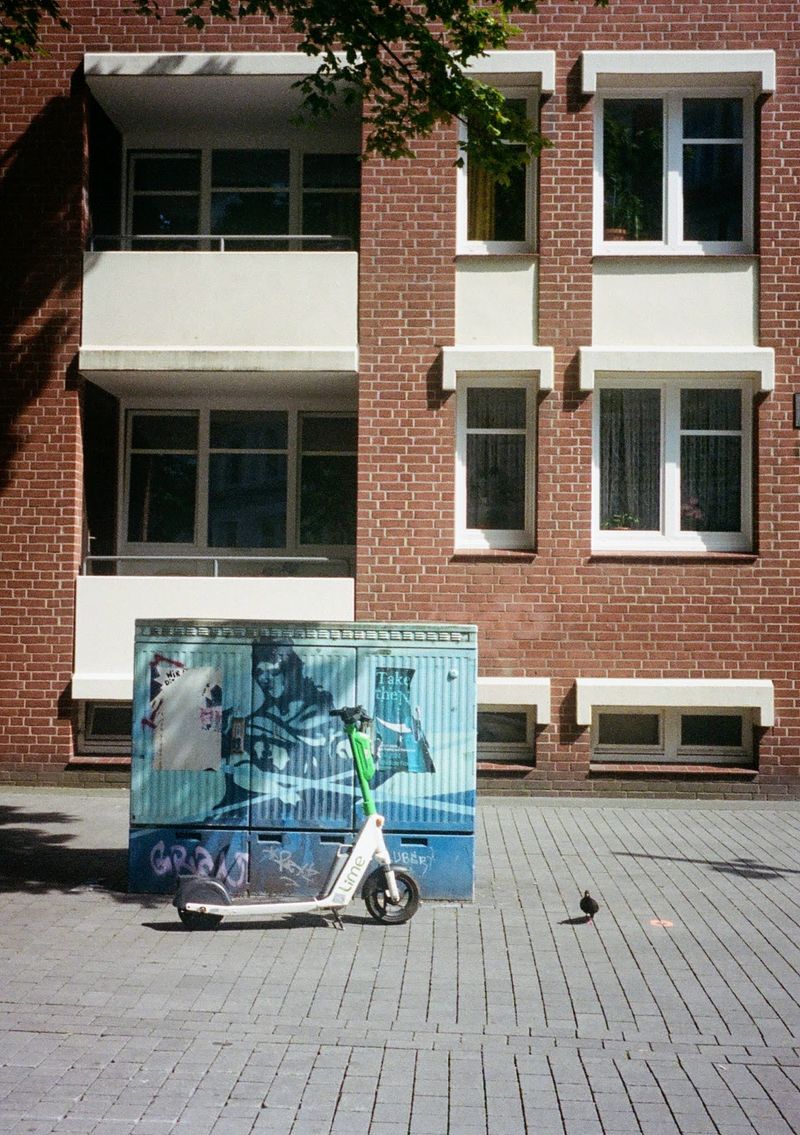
(537, 362)
(757, 363)
(295, 359)
(690, 693)
(517, 66)
(523, 692)
(755, 68)
(203, 63)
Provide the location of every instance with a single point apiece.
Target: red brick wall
(41, 492)
(562, 612)
(558, 612)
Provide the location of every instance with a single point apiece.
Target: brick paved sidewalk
(676, 1012)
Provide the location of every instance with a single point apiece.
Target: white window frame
(672, 183)
(472, 539)
(465, 246)
(670, 538)
(200, 546)
(669, 749)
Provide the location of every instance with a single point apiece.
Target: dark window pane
(331, 435)
(633, 175)
(247, 500)
(331, 171)
(630, 459)
(711, 470)
(240, 169)
(712, 192)
(162, 498)
(164, 431)
(234, 214)
(496, 409)
(107, 721)
(628, 729)
(166, 214)
(496, 482)
(248, 429)
(173, 171)
(332, 214)
(502, 728)
(328, 500)
(711, 409)
(712, 729)
(712, 118)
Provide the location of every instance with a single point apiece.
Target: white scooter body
(390, 896)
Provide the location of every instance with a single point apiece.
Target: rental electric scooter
(390, 895)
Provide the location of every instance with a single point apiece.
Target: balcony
(107, 607)
(231, 313)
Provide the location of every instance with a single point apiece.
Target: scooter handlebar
(350, 714)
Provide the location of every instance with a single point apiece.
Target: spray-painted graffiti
(289, 867)
(180, 860)
(414, 859)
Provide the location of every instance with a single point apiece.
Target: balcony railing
(210, 242)
(290, 565)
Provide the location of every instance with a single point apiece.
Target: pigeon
(589, 906)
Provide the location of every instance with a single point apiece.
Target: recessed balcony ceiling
(188, 91)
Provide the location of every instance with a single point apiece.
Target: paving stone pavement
(676, 1013)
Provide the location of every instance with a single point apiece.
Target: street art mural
(240, 737)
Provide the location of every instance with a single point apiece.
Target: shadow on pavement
(36, 859)
(745, 868)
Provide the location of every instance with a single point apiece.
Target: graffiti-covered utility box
(240, 773)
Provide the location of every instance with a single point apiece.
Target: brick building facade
(574, 404)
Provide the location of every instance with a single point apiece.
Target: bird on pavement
(589, 906)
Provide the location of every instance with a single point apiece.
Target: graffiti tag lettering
(180, 861)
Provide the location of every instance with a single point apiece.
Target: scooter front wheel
(196, 920)
(379, 902)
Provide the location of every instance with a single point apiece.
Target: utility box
(239, 772)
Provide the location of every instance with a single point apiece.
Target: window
(505, 736)
(674, 172)
(164, 197)
(672, 465)
(230, 481)
(105, 727)
(703, 736)
(234, 194)
(495, 461)
(497, 218)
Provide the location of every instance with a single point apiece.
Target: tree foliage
(408, 62)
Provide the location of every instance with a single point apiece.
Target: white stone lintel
(690, 693)
(524, 693)
(522, 67)
(537, 362)
(757, 363)
(756, 68)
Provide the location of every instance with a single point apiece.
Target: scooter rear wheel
(196, 920)
(379, 902)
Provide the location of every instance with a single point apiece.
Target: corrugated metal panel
(190, 704)
(302, 771)
(443, 866)
(160, 857)
(423, 702)
(293, 864)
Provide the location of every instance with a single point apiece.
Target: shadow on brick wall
(40, 234)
